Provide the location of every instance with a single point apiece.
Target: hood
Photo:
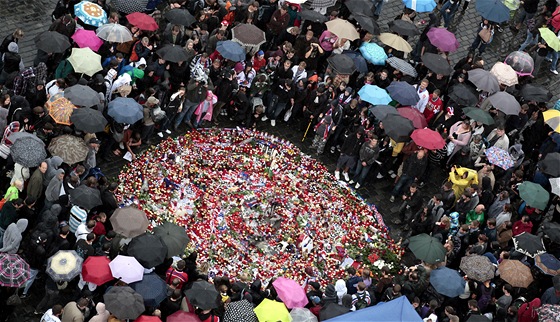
(13, 48)
(330, 291)
(256, 286)
(22, 225)
(55, 162)
(340, 287)
(100, 308)
(486, 183)
(56, 209)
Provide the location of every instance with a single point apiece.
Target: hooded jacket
(102, 313)
(13, 236)
(53, 189)
(52, 165)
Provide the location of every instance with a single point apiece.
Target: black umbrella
(52, 42)
(173, 53)
(179, 17)
(367, 23)
(28, 150)
(203, 295)
(342, 64)
(173, 236)
(529, 244)
(397, 127)
(88, 120)
(82, 95)
(381, 111)
(478, 318)
(437, 64)
(360, 7)
(404, 28)
(85, 197)
(359, 60)
(148, 249)
(463, 95)
(332, 310)
(403, 92)
(123, 302)
(535, 93)
(130, 6)
(551, 164)
(552, 230)
(312, 15)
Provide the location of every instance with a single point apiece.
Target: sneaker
(264, 118)
(379, 176)
(121, 146)
(554, 71)
(333, 149)
(38, 312)
(160, 134)
(548, 59)
(24, 296)
(167, 131)
(421, 185)
(346, 177)
(392, 199)
(357, 186)
(393, 175)
(273, 122)
(390, 172)
(500, 29)
(337, 175)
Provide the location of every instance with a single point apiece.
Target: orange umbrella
(60, 109)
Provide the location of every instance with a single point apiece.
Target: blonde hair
(18, 33)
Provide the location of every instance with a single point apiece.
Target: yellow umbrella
(505, 74)
(85, 61)
(60, 109)
(395, 41)
(551, 40)
(342, 29)
(272, 311)
(64, 265)
(552, 118)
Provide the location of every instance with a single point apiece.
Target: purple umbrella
(443, 39)
(127, 269)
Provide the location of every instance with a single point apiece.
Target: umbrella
(82, 95)
(493, 10)
(359, 61)
(125, 110)
(96, 270)
(551, 39)
(142, 21)
(404, 28)
(302, 315)
(60, 109)
(290, 292)
(529, 244)
(179, 17)
(402, 65)
(395, 41)
(499, 157)
(437, 64)
(64, 265)
(477, 267)
(342, 64)
(231, 50)
(203, 295)
(397, 127)
(85, 197)
(367, 23)
(173, 53)
(129, 6)
(123, 302)
(182, 316)
(359, 7)
(549, 312)
(515, 273)
(52, 42)
(14, 271)
(428, 139)
(71, 149)
(381, 111)
(397, 310)
(87, 38)
(152, 289)
(443, 39)
(88, 120)
(113, 32)
(403, 92)
(478, 115)
(90, 13)
(312, 15)
(521, 62)
(417, 118)
(447, 282)
(551, 164)
(478, 318)
(29, 151)
(427, 248)
(126, 269)
(342, 29)
(548, 264)
(537, 93)
(85, 61)
(147, 318)
(173, 236)
(554, 183)
(332, 310)
(505, 74)
(321, 3)
(534, 194)
(129, 221)
(552, 231)
(373, 53)
(240, 311)
(552, 118)
(248, 35)
(484, 80)
(463, 95)
(505, 102)
(270, 310)
(374, 95)
(420, 5)
(148, 249)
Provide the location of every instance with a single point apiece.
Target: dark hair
(30, 200)
(351, 270)
(111, 234)
(508, 288)
(90, 237)
(83, 302)
(57, 309)
(438, 196)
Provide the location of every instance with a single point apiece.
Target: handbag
(485, 34)
(4, 151)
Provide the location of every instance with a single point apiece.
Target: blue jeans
(478, 43)
(377, 6)
(529, 41)
(554, 56)
(361, 173)
(448, 16)
(274, 107)
(33, 275)
(403, 182)
(186, 113)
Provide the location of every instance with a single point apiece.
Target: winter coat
(52, 166)
(13, 236)
(369, 154)
(53, 189)
(35, 184)
(102, 313)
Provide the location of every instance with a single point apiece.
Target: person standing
(424, 95)
(413, 169)
(369, 152)
(75, 311)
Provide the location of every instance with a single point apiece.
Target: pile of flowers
(253, 203)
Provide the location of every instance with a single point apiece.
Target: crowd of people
(290, 78)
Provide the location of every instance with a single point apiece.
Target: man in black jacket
(349, 153)
(413, 168)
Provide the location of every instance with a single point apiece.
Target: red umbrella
(428, 139)
(147, 318)
(142, 21)
(96, 270)
(417, 118)
(182, 316)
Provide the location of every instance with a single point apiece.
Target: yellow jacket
(460, 183)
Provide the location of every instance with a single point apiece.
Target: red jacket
(527, 311)
(520, 227)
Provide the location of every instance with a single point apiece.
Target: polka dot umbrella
(130, 6)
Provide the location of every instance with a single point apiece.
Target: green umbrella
(478, 115)
(551, 40)
(534, 195)
(427, 248)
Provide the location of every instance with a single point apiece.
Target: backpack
(485, 298)
(362, 301)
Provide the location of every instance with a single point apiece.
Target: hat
(94, 141)
(260, 53)
(112, 73)
(450, 110)
(315, 299)
(225, 23)
(315, 285)
(152, 100)
(13, 47)
(348, 89)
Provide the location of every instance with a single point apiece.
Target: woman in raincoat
(462, 178)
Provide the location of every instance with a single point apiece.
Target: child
(322, 132)
(224, 294)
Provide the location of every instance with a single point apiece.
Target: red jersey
(433, 107)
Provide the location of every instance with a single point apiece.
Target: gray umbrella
(381, 111)
(367, 23)
(484, 80)
(29, 151)
(362, 7)
(312, 15)
(505, 102)
(463, 95)
(81, 95)
(402, 65)
(85, 197)
(124, 302)
(404, 28)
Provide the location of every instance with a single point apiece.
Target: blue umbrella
(420, 5)
(152, 288)
(373, 53)
(125, 110)
(231, 50)
(374, 95)
(397, 310)
(90, 13)
(359, 61)
(404, 93)
(548, 264)
(447, 282)
(493, 10)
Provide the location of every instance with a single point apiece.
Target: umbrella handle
(308, 126)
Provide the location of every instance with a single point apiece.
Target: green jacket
(472, 215)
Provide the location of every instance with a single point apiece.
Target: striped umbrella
(14, 271)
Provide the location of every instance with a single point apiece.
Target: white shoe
(390, 172)
(121, 146)
(264, 118)
(379, 176)
(357, 186)
(273, 122)
(392, 199)
(160, 134)
(554, 71)
(337, 175)
(167, 131)
(351, 182)
(393, 176)
(346, 177)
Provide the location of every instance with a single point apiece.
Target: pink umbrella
(443, 39)
(182, 316)
(87, 38)
(290, 292)
(417, 118)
